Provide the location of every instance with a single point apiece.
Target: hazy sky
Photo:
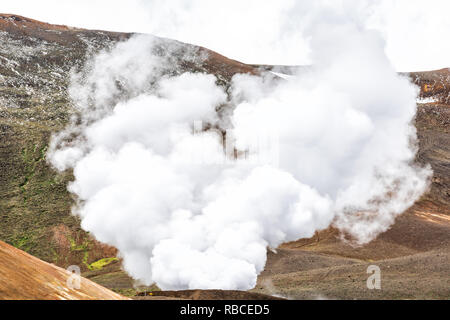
(272, 32)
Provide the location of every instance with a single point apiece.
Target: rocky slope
(35, 62)
(24, 277)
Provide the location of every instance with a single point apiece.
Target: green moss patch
(100, 264)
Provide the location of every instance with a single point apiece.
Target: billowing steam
(169, 169)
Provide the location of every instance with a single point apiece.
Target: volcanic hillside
(35, 63)
(25, 277)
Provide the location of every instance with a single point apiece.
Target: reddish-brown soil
(24, 277)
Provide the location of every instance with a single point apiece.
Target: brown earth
(433, 84)
(24, 277)
(414, 258)
(35, 60)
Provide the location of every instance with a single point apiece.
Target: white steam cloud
(414, 29)
(181, 214)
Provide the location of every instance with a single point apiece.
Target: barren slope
(25, 277)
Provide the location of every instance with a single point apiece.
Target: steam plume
(182, 214)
